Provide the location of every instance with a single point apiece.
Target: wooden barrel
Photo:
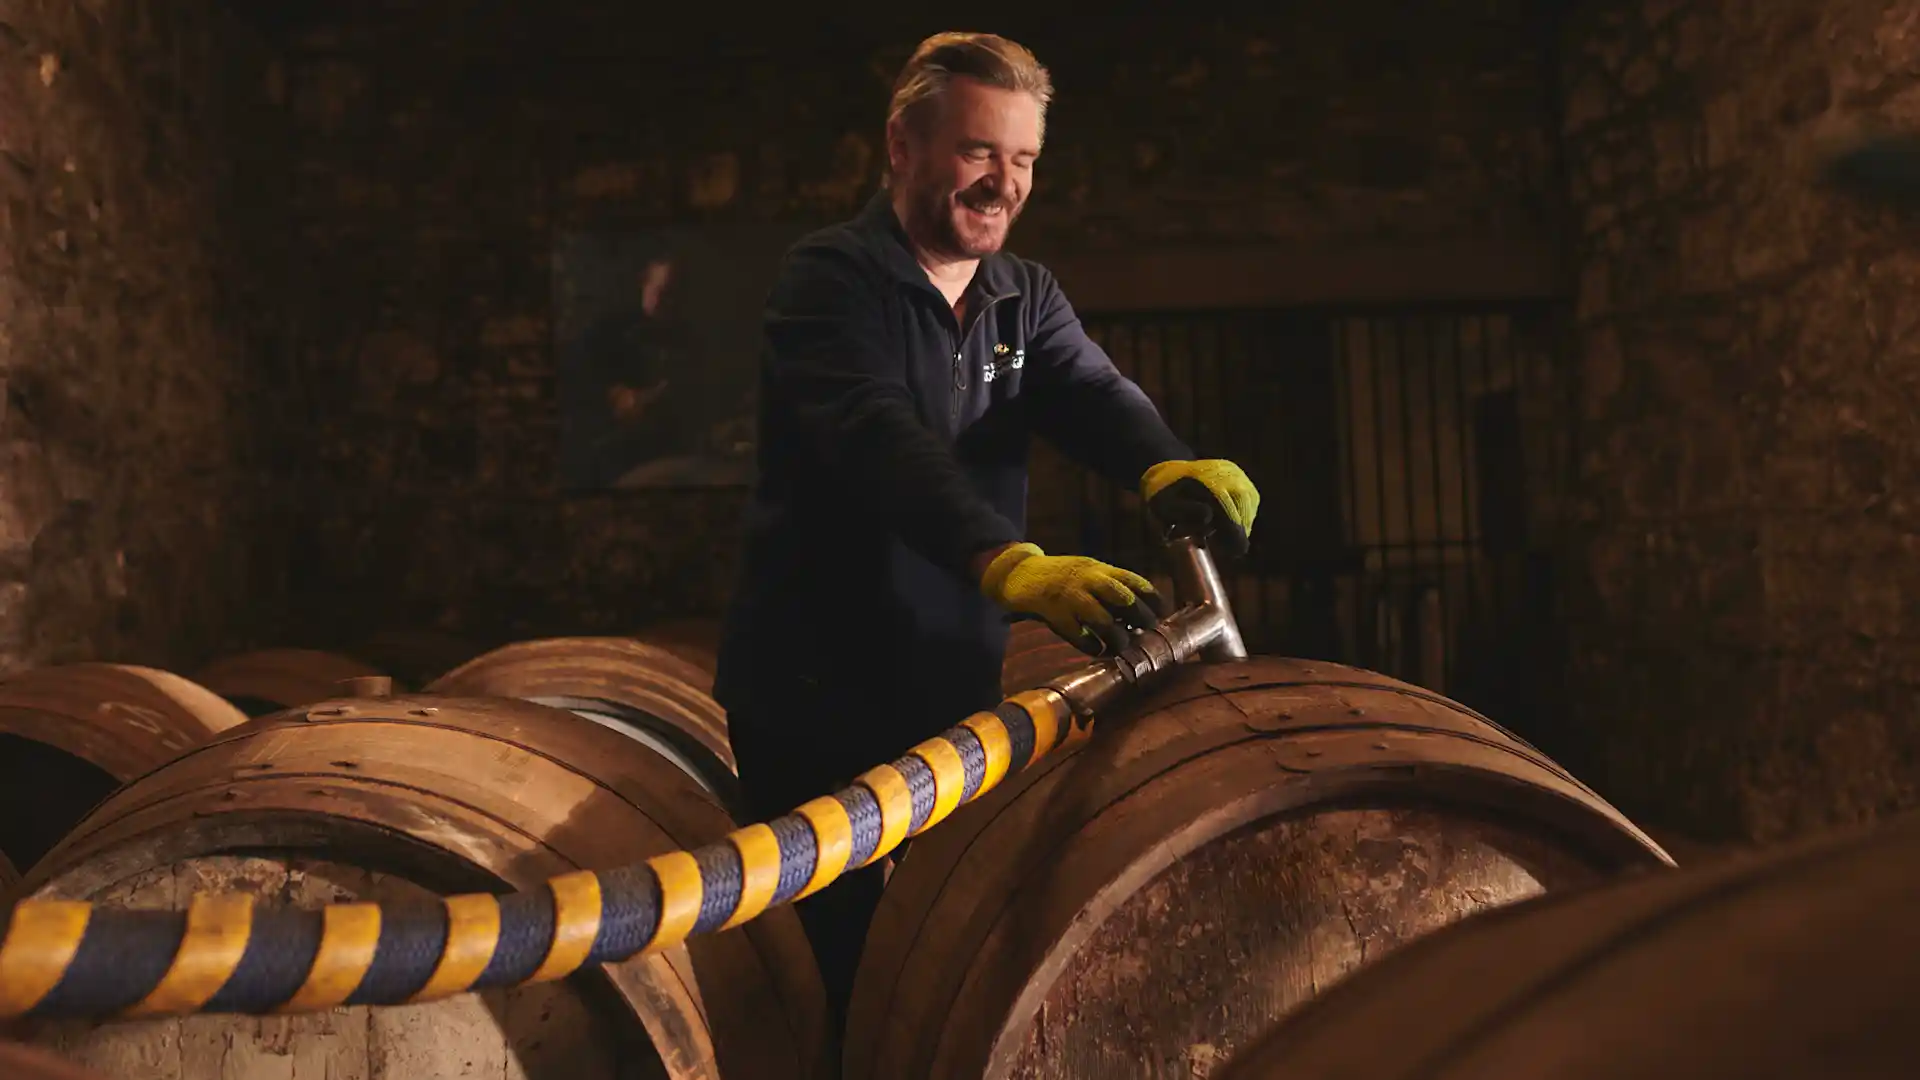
(1795, 961)
(1035, 654)
(267, 680)
(385, 798)
(72, 733)
(1234, 842)
(638, 689)
(19, 1062)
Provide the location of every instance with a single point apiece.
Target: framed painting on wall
(657, 340)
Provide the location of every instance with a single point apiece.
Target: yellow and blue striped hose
(221, 955)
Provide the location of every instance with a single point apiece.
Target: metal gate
(1410, 463)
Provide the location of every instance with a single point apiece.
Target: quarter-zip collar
(994, 279)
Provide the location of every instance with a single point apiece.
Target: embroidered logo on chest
(1004, 360)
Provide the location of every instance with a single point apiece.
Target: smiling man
(909, 360)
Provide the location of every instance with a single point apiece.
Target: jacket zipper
(960, 381)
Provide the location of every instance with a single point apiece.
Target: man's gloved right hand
(1084, 600)
(1212, 493)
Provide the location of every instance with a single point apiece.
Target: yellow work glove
(1084, 600)
(1187, 493)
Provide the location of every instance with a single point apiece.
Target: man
(908, 361)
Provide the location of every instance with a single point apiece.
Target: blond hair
(988, 58)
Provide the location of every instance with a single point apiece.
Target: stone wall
(1749, 644)
(127, 510)
(437, 158)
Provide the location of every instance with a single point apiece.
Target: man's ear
(899, 145)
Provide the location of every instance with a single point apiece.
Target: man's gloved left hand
(1204, 494)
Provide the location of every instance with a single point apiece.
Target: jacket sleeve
(841, 380)
(1083, 405)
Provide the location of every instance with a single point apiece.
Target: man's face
(967, 173)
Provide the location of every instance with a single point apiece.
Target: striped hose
(65, 958)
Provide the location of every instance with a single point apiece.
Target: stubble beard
(940, 208)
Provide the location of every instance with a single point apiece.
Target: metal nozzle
(1202, 627)
(1196, 580)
